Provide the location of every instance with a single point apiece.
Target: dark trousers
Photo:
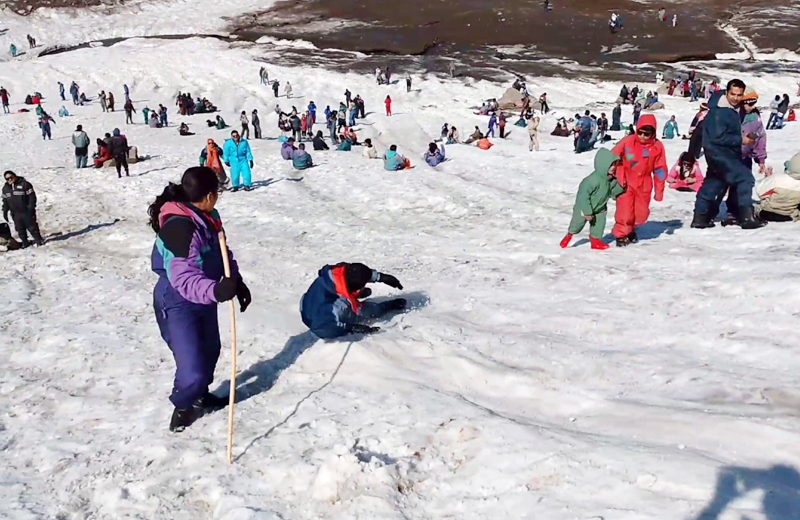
(192, 333)
(257, 131)
(128, 117)
(121, 162)
(741, 182)
(245, 131)
(26, 222)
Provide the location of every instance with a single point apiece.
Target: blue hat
(116, 132)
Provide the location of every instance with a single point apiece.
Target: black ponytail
(172, 193)
(197, 182)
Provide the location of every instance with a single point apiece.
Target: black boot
(213, 403)
(623, 242)
(633, 238)
(182, 419)
(701, 221)
(397, 305)
(748, 221)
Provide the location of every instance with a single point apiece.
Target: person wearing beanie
(779, 193)
(435, 155)
(119, 151)
(20, 200)
(335, 304)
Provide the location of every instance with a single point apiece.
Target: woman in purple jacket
(191, 282)
(753, 127)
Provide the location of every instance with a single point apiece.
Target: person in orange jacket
(644, 165)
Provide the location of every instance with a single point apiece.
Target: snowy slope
(531, 382)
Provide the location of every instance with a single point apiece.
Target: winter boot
(212, 403)
(623, 242)
(701, 221)
(598, 244)
(397, 304)
(182, 419)
(234, 189)
(748, 221)
(565, 241)
(633, 238)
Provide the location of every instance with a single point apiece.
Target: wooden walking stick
(227, 265)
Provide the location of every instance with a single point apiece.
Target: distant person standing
(81, 142)
(245, 125)
(4, 99)
(61, 91)
(674, 20)
(256, 124)
(129, 111)
(237, 155)
(408, 83)
(275, 87)
(662, 15)
(288, 90)
(388, 103)
(452, 69)
(118, 145)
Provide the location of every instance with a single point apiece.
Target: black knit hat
(357, 276)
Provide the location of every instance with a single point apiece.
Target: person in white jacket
(533, 132)
(288, 89)
(369, 151)
(779, 193)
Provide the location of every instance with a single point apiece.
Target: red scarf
(341, 288)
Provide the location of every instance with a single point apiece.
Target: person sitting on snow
(434, 156)
(477, 135)
(591, 202)
(319, 142)
(301, 160)
(686, 175)
(287, 149)
(393, 161)
(369, 151)
(221, 124)
(335, 304)
(184, 129)
(344, 144)
(779, 193)
(453, 137)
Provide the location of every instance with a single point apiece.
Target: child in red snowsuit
(388, 106)
(644, 164)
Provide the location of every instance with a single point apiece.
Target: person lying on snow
(686, 175)
(434, 156)
(644, 167)
(393, 161)
(333, 307)
(301, 160)
(591, 202)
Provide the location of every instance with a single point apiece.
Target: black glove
(364, 329)
(366, 292)
(391, 281)
(251, 164)
(225, 290)
(243, 295)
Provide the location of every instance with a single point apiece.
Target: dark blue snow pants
(192, 333)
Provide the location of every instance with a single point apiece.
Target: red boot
(598, 244)
(565, 241)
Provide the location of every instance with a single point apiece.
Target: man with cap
(20, 199)
(723, 142)
(333, 306)
(644, 167)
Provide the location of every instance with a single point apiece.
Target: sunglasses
(645, 133)
(9, 178)
(750, 103)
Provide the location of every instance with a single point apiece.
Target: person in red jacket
(644, 165)
(388, 106)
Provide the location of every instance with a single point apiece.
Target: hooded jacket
(325, 310)
(757, 151)
(436, 158)
(643, 166)
(287, 149)
(780, 192)
(595, 190)
(393, 161)
(187, 257)
(301, 160)
(319, 142)
(19, 197)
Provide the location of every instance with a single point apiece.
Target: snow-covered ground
(531, 382)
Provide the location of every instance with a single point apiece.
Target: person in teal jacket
(592, 199)
(393, 161)
(344, 144)
(236, 154)
(671, 129)
(301, 160)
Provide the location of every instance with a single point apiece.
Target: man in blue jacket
(237, 155)
(722, 141)
(333, 306)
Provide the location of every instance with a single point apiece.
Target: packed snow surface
(528, 382)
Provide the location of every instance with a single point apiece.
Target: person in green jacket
(344, 145)
(592, 199)
(146, 114)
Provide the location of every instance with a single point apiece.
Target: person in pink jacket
(686, 175)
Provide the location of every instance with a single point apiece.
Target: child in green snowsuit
(592, 199)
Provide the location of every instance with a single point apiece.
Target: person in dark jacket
(256, 122)
(319, 142)
(187, 258)
(297, 127)
(118, 145)
(129, 111)
(20, 200)
(333, 306)
(722, 142)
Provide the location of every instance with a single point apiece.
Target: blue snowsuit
(239, 159)
(312, 109)
(330, 315)
(722, 142)
(492, 125)
(188, 261)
